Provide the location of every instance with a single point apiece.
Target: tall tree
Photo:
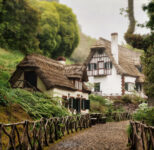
(145, 42)
(18, 25)
(132, 22)
(58, 34)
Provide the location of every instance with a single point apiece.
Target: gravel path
(109, 136)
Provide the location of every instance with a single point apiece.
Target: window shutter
(87, 104)
(126, 86)
(105, 65)
(74, 103)
(78, 107)
(111, 65)
(70, 101)
(89, 67)
(82, 104)
(95, 66)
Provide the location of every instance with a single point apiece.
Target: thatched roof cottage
(113, 69)
(36, 72)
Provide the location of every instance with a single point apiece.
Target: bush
(144, 113)
(127, 98)
(135, 99)
(37, 105)
(100, 104)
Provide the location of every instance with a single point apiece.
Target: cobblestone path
(109, 136)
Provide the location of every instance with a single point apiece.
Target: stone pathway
(109, 136)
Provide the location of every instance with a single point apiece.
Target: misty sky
(99, 18)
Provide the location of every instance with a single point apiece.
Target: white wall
(110, 84)
(59, 93)
(130, 79)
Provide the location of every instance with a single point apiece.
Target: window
(139, 68)
(97, 87)
(129, 86)
(30, 78)
(78, 85)
(92, 66)
(100, 51)
(100, 64)
(108, 65)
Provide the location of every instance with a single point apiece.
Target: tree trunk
(132, 21)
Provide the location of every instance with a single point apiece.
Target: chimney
(114, 47)
(62, 60)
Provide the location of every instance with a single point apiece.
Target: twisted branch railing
(121, 116)
(141, 136)
(34, 135)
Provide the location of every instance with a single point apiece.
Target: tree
(68, 31)
(19, 23)
(136, 40)
(148, 59)
(146, 43)
(58, 34)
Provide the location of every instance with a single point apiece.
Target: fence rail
(34, 135)
(121, 116)
(141, 136)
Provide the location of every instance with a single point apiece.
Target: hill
(82, 51)
(19, 104)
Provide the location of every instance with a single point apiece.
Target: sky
(100, 18)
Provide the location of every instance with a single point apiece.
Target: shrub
(37, 104)
(135, 99)
(127, 98)
(100, 104)
(144, 113)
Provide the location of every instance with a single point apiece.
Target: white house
(39, 73)
(114, 70)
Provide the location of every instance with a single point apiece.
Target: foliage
(58, 34)
(148, 61)
(33, 26)
(127, 98)
(19, 26)
(135, 99)
(100, 104)
(144, 113)
(37, 105)
(150, 9)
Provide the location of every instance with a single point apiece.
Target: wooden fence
(141, 136)
(121, 116)
(34, 135)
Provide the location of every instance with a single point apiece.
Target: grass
(19, 104)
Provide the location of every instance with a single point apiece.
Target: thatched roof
(128, 59)
(51, 72)
(76, 71)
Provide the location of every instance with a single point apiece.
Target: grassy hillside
(82, 51)
(18, 104)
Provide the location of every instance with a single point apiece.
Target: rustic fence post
(0, 136)
(56, 132)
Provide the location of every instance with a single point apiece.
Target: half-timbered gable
(100, 64)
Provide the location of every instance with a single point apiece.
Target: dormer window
(78, 84)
